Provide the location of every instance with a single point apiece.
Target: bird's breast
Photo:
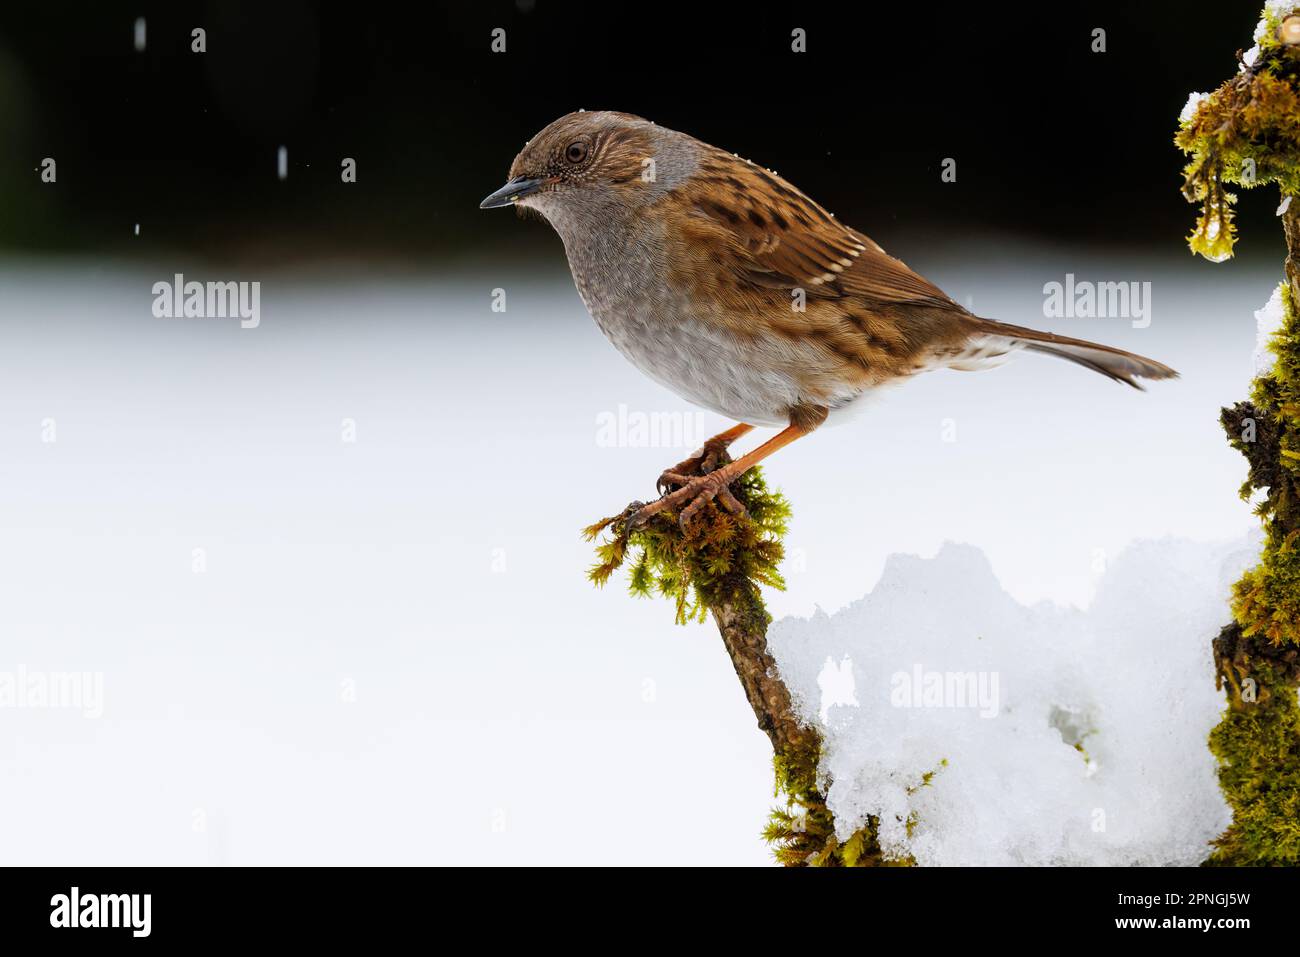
(681, 340)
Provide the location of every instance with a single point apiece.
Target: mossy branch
(716, 567)
(1247, 132)
(1257, 657)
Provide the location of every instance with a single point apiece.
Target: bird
(726, 284)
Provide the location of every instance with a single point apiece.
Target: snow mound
(1055, 735)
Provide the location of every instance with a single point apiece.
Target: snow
(1193, 104)
(353, 636)
(952, 675)
(1267, 322)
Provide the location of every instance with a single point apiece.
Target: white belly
(703, 367)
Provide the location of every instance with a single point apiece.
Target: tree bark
(1291, 229)
(746, 643)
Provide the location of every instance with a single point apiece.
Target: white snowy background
(393, 655)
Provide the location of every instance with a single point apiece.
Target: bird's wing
(775, 236)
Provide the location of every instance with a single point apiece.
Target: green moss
(1257, 743)
(718, 558)
(1246, 133)
(1266, 601)
(802, 832)
(1258, 748)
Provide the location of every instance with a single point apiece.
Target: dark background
(1051, 140)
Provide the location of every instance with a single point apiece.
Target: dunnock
(721, 281)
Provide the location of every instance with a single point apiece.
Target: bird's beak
(517, 188)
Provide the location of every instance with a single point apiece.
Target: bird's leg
(692, 496)
(697, 492)
(703, 461)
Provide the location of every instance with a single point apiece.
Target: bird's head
(594, 164)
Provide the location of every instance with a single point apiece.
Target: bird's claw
(690, 498)
(711, 487)
(703, 462)
(669, 479)
(632, 517)
(732, 504)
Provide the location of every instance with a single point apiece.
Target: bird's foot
(702, 462)
(694, 493)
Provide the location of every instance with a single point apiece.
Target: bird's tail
(1113, 363)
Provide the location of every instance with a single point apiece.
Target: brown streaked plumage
(720, 280)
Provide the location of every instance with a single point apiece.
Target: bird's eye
(576, 152)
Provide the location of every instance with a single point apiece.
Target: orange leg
(697, 491)
(729, 436)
